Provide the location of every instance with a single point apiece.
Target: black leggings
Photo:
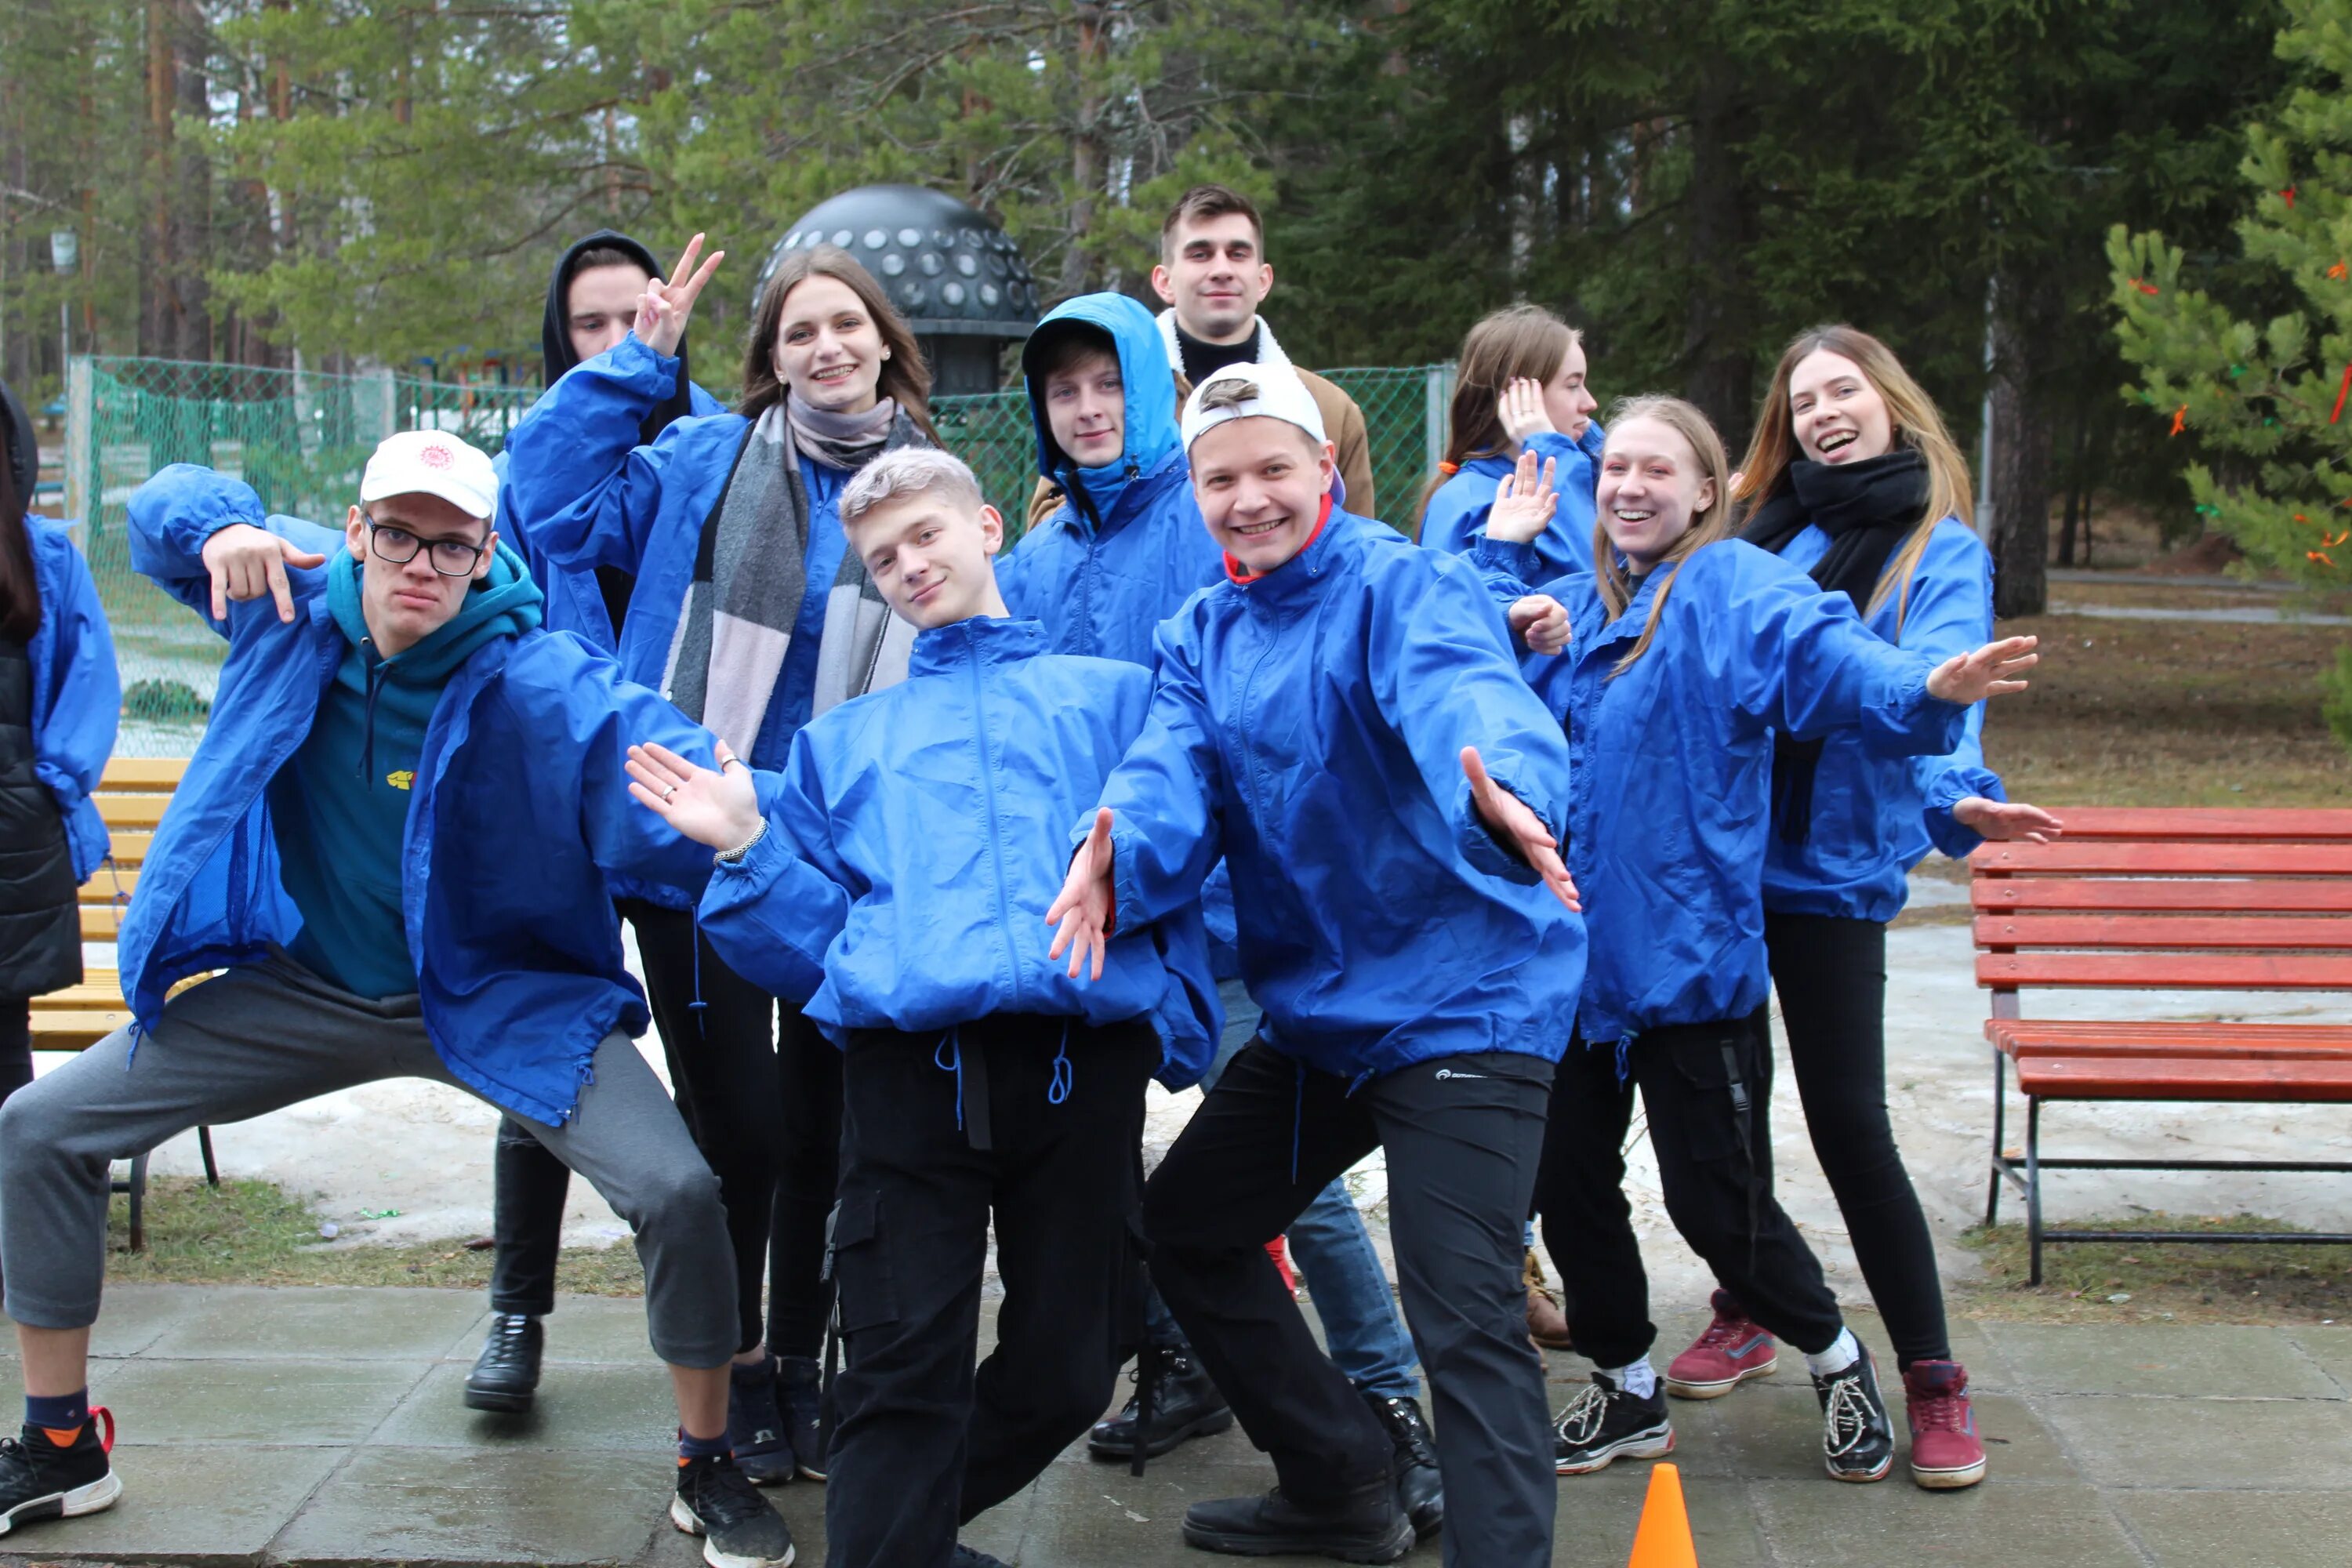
(15, 1045)
(761, 1089)
(1831, 974)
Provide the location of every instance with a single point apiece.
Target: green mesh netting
(301, 440)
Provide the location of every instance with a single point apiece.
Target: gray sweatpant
(275, 1034)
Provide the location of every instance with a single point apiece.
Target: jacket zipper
(988, 802)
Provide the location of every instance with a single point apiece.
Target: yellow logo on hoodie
(401, 779)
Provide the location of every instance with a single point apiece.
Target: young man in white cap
(393, 840)
(1343, 719)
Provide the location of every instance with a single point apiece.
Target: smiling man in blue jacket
(1343, 720)
(888, 881)
(349, 844)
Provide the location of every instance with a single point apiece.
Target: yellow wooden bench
(130, 796)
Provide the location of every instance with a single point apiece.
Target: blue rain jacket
(915, 842)
(1456, 516)
(1127, 547)
(1672, 767)
(520, 808)
(76, 692)
(1874, 816)
(574, 602)
(1309, 726)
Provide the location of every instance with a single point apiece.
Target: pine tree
(2267, 404)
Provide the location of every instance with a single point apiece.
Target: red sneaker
(1731, 1351)
(1946, 1452)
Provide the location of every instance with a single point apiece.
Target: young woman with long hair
(751, 641)
(1853, 478)
(1689, 652)
(1520, 387)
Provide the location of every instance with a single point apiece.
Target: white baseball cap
(427, 462)
(1270, 391)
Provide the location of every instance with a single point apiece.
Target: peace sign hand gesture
(663, 308)
(1524, 501)
(1507, 816)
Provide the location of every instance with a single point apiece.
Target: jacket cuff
(1500, 557)
(1482, 848)
(1900, 720)
(1947, 790)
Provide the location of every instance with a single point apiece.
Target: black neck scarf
(1868, 508)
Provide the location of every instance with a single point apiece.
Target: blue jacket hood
(1152, 434)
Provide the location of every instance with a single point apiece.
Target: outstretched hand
(1507, 816)
(1524, 501)
(2005, 820)
(249, 563)
(1085, 910)
(1540, 622)
(720, 809)
(663, 309)
(1995, 669)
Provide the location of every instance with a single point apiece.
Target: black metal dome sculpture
(953, 274)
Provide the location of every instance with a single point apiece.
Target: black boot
(506, 1374)
(1419, 1491)
(755, 1423)
(1367, 1526)
(1184, 1404)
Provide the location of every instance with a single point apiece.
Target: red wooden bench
(2163, 900)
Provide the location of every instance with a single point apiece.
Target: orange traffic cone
(1663, 1539)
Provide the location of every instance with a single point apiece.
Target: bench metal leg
(139, 1203)
(204, 1142)
(2033, 1188)
(1999, 1107)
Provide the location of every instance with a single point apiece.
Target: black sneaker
(1419, 1491)
(1185, 1404)
(506, 1374)
(965, 1557)
(755, 1423)
(800, 1396)
(1366, 1527)
(40, 1480)
(739, 1529)
(1857, 1435)
(1605, 1423)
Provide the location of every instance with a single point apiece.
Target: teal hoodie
(339, 807)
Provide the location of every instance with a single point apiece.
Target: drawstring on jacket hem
(1064, 1076)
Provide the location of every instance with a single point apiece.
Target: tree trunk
(2078, 485)
(1720, 369)
(2025, 312)
(1085, 151)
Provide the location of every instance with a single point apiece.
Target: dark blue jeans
(1332, 1248)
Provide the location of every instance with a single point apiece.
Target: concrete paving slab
(216, 1401)
(1821, 1524)
(429, 1506)
(2277, 1529)
(2254, 1444)
(1772, 1431)
(131, 1319)
(595, 1328)
(2330, 1348)
(337, 1323)
(1599, 1513)
(215, 1503)
(628, 1409)
(2206, 1361)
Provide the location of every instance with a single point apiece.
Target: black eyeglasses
(450, 557)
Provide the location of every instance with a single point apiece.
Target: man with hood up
(1123, 552)
(591, 297)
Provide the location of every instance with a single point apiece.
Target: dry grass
(2172, 713)
(255, 1233)
(2175, 1282)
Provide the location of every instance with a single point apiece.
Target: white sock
(1843, 1354)
(1640, 1380)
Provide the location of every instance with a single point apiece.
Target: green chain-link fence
(301, 440)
